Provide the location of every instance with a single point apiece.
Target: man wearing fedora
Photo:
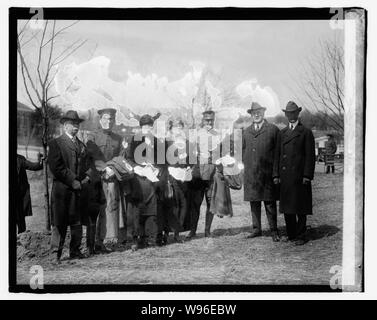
(70, 166)
(104, 145)
(296, 171)
(203, 172)
(260, 153)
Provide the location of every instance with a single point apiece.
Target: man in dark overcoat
(23, 205)
(296, 170)
(71, 169)
(260, 153)
(104, 145)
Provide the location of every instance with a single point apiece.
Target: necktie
(76, 143)
(292, 127)
(257, 127)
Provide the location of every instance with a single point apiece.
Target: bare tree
(39, 66)
(321, 82)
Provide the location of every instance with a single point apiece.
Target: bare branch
(60, 31)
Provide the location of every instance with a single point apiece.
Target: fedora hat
(255, 106)
(292, 107)
(71, 115)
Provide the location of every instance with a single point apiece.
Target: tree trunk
(44, 143)
(46, 195)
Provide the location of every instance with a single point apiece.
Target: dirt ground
(226, 258)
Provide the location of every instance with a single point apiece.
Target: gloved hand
(276, 180)
(85, 180)
(40, 157)
(109, 172)
(76, 185)
(305, 181)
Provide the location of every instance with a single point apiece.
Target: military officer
(208, 151)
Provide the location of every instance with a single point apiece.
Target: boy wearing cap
(296, 170)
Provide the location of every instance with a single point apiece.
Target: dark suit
(297, 160)
(68, 162)
(23, 206)
(260, 153)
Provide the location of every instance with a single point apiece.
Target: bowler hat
(255, 106)
(208, 115)
(110, 111)
(71, 115)
(146, 120)
(292, 107)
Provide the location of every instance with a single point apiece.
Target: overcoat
(260, 155)
(23, 206)
(297, 160)
(67, 162)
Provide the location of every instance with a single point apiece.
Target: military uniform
(104, 145)
(203, 172)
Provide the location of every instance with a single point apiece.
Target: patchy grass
(226, 258)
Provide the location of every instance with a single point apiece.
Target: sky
(263, 56)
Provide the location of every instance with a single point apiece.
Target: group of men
(279, 165)
(95, 183)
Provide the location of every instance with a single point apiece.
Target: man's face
(71, 127)
(107, 121)
(208, 124)
(177, 129)
(292, 116)
(146, 129)
(257, 116)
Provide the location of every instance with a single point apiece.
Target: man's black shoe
(254, 234)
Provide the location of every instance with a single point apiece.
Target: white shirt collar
(293, 124)
(70, 136)
(259, 125)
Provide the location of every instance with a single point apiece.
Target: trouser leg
(333, 169)
(209, 215)
(301, 226)
(150, 224)
(196, 201)
(290, 223)
(112, 210)
(161, 219)
(271, 214)
(327, 169)
(76, 237)
(90, 234)
(57, 239)
(255, 207)
(21, 224)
